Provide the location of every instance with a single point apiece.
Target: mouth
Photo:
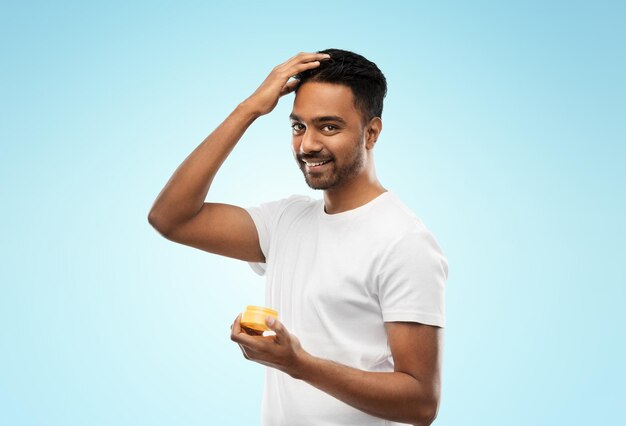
(315, 165)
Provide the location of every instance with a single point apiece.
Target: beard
(334, 176)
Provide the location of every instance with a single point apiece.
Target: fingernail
(270, 320)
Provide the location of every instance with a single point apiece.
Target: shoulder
(403, 235)
(392, 219)
(295, 200)
(297, 203)
(293, 205)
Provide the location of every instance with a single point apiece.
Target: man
(357, 279)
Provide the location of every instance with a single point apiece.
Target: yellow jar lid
(254, 317)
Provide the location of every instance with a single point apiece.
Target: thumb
(289, 87)
(276, 326)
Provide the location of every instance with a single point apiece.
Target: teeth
(316, 164)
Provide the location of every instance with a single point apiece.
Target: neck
(355, 193)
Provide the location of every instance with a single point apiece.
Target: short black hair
(367, 82)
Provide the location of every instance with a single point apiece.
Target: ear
(372, 131)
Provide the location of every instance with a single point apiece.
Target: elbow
(157, 224)
(426, 414)
(431, 418)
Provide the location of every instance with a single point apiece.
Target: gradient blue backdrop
(503, 130)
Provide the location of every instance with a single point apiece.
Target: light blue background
(503, 130)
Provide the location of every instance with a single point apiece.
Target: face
(328, 142)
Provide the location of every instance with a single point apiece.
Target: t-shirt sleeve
(265, 217)
(411, 283)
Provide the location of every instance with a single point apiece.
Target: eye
(330, 127)
(297, 127)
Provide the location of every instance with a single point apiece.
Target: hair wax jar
(254, 317)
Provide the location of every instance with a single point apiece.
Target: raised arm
(180, 212)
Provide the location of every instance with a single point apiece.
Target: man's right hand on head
(180, 212)
(277, 83)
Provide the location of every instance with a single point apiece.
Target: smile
(321, 163)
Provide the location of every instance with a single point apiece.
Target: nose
(309, 142)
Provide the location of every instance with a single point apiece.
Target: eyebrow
(318, 120)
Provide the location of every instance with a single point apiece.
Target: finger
(235, 329)
(240, 336)
(289, 87)
(277, 327)
(299, 67)
(307, 56)
(303, 58)
(251, 331)
(236, 325)
(243, 351)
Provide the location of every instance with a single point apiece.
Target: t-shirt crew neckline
(350, 214)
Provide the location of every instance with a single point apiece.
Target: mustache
(309, 157)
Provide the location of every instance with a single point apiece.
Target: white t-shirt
(334, 280)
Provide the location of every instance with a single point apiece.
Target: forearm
(185, 192)
(394, 396)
